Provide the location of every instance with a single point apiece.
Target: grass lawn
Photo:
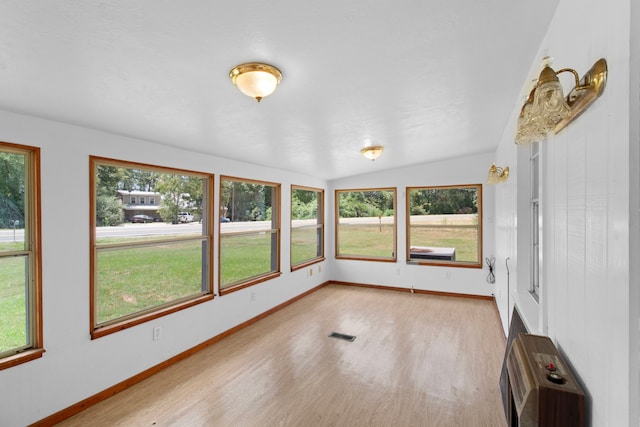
(135, 279)
(447, 231)
(13, 326)
(366, 240)
(304, 245)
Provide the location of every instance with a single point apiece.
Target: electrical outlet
(310, 272)
(319, 269)
(397, 271)
(157, 333)
(253, 295)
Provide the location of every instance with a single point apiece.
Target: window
(365, 224)
(20, 283)
(536, 218)
(140, 275)
(133, 200)
(152, 200)
(142, 200)
(307, 226)
(250, 242)
(445, 225)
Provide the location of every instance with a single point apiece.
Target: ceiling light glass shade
(543, 110)
(529, 128)
(256, 80)
(549, 105)
(372, 152)
(497, 175)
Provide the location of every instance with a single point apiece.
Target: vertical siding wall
(75, 367)
(634, 201)
(585, 301)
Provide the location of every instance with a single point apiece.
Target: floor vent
(342, 336)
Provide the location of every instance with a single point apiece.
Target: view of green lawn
(368, 240)
(304, 245)
(13, 331)
(134, 279)
(244, 256)
(447, 231)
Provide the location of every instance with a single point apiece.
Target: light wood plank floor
(418, 360)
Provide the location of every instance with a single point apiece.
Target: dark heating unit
(541, 389)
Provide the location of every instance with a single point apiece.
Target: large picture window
(444, 226)
(366, 224)
(147, 260)
(307, 226)
(250, 240)
(20, 275)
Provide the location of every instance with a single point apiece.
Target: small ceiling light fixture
(255, 79)
(548, 110)
(372, 152)
(497, 174)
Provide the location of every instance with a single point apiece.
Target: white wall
(74, 367)
(585, 298)
(464, 170)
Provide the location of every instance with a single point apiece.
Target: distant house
(140, 202)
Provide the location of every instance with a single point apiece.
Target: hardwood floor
(418, 360)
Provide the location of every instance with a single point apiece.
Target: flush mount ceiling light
(497, 174)
(255, 79)
(372, 152)
(547, 109)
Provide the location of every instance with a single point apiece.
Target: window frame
(394, 256)
(34, 349)
(275, 230)
(535, 223)
(440, 262)
(319, 226)
(152, 313)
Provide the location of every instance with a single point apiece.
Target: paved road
(161, 228)
(151, 229)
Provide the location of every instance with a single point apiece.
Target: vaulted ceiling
(427, 79)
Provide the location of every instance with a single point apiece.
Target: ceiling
(427, 79)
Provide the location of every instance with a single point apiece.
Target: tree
(179, 193)
(108, 207)
(304, 204)
(12, 189)
(246, 201)
(108, 211)
(354, 204)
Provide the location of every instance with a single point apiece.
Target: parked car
(141, 218)
(185, 217)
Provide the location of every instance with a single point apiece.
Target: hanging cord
(491, 262)
(506, 262)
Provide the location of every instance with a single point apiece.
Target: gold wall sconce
(497, 174)
(372, 152)
(255, 79)
(546, 108)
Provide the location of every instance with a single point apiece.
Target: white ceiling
(427, 79)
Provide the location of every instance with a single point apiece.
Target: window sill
(20, 358)
(251, 282)
(112, 328)
(441, 263)
(361, 258)
(307, 263)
